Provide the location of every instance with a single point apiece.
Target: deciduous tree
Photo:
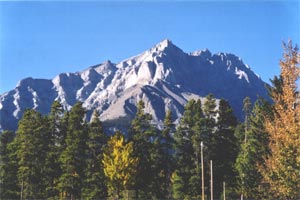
(282, 167)
(119, 164)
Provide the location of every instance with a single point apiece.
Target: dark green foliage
(60, 155)
(215, 128)
(252, 152)
(225, 148)
(178, 190)
(8, 167)
(166, 154)
(187, 150)
(94, 183)
(146, 149)
(32, 140)
(56, 146)
(73, 156)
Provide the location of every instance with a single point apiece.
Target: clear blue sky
(43, 39)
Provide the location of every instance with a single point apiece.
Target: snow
(229, 63)
(241, 74)
(15, 102)
(35, 97)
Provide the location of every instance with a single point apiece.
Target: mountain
(164, 77)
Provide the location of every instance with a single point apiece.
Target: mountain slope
(164, 77)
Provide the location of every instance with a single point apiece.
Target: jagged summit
(166, 43)
(164, 77)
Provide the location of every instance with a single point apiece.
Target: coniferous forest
(62, 156)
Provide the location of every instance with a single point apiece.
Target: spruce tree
(178, 190)
(187, 152)
(8, 167)
(73, 156)
(225, 148)
(252, 153)
(166, 154)
(142, 133)
(32, 137)
(95, 186)
(56, 145)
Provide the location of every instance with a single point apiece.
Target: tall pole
(202, 170)
(224, 191)
(211, 182)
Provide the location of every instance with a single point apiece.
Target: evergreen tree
(252, 152)
(8, 167)
(143, 134)
(73, 156)
(56, 145)
(32, 137)
(208, 131)
(119, 165)
(225, 150)
(166, 154)
(282, 167)
(209, 126)
(187, 142)
(247, 110)
(178, 190)
(95, 184)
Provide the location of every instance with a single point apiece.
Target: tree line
(62, 156)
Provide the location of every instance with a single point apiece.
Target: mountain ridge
(164, 76)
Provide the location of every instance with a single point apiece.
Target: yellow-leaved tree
(119, 165)
(282, 166)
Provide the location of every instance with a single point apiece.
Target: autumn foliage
(119, 164)
(282, 167)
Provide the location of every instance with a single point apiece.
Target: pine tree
(187, 142)
(143, 134)
(225, 150)
(252, 152)
(56, 145)
(8, 167)
(33, 138)
(247, 110)
(95, 184)
(282, 167)
(119, 165)
(166, 154)
(178, 190)
(73, 156)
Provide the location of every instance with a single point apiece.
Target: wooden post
(22, 187)
(202, 170)
(224, 191)
(211, 181)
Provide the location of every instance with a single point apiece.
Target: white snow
(15, 102)
(228, 65)
(34, 97)
(241, 74)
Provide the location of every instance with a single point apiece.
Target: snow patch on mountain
(241, 74)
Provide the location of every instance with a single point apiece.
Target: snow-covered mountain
(164, 77)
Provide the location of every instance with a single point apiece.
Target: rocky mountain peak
(164, 77)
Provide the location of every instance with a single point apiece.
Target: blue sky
(41, 39)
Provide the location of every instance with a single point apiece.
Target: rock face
(164, 77)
